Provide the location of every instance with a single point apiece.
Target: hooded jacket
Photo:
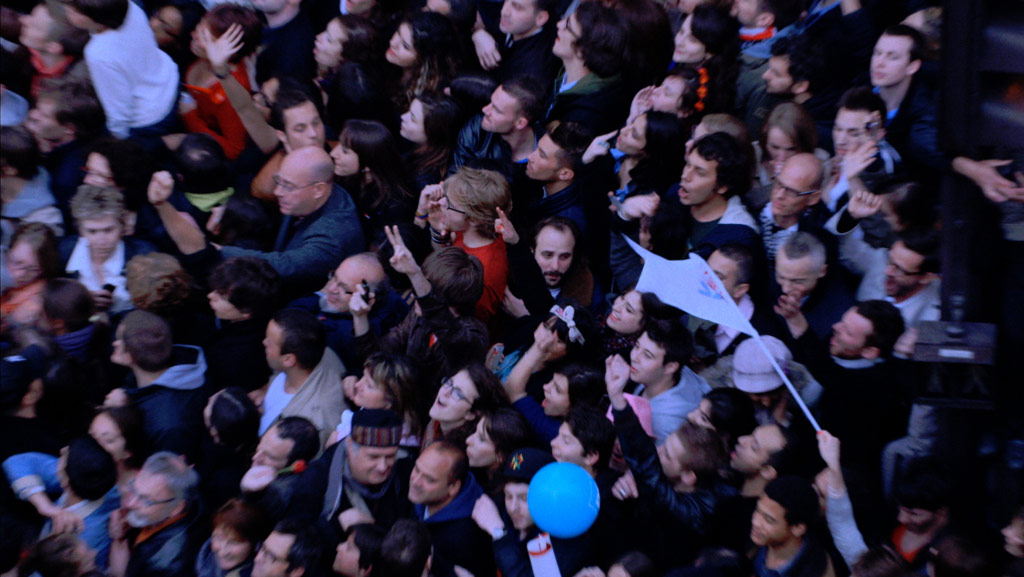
(456, 538)
(172, 406)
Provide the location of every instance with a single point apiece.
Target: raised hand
(116, 398)
(859, 158)
(353, 516)
(599, 146)
(863, 204)
(486, 50)
(161, 185)
(641, 103)
(625, 487)
(361, 301)
(641, 205)
(257, 478)
(402, 261)
(513, 305)
(486, 514)
(64, 521)
(993, 185)
(828, 447)
(220, 50)
(616, 375)
(504, 227)
(788, 307)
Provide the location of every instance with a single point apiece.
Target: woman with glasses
(31, 261)
(462, 212)
(461, 400)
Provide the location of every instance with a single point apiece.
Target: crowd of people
(312, 287)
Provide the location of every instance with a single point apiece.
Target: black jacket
(172, 406)
(600, 104)
(171, 552)
(236, 341)
(677, 523)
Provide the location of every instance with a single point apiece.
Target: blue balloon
(563, 500)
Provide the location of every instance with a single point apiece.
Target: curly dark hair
(733, 169)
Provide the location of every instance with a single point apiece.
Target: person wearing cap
(512, 527)
(359, 479)
(443, 494)
(753, 373)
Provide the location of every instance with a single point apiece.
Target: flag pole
(789, 385)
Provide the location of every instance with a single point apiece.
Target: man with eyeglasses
(319, 229)
(331, 303)
(157, 530)
(795, 205)
(292, 549)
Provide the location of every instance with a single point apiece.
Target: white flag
(690, 285)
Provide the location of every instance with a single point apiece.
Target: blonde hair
(480, 193)
(92, 202)
(157, 283)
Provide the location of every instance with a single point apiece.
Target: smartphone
(366, 288)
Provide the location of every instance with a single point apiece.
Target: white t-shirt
(275, 402)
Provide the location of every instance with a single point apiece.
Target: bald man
(331, 304)
(795, 204)
(320, 225)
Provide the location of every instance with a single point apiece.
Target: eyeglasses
(333, 279)
(569, 29)
(145, 501)
(776, 185)
(902, 270)
(20, 265)
(448, 203)
(104, 176)
(449, 387)
(289, 187)
(270, 555)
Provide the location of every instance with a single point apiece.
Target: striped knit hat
(376, 428)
